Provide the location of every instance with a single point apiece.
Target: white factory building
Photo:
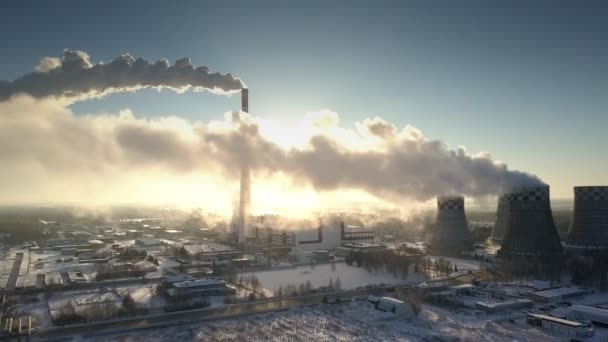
(306, 239)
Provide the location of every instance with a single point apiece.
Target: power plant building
(451, 232)
(530, 229)
(305, 239)
(589, 225)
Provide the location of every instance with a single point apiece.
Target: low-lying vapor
(43, 144)
(74, 77)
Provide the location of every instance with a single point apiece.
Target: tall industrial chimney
(245, 100)
(589, 225)
(451, 234)
(244, 203)
(530, 229)
(245, 191)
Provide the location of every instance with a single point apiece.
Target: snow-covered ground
(356, 321)
(46, 262)
(351, 277)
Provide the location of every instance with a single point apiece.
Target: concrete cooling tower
(530, 229)
(589, 225)
(451, 233)
(502, 214)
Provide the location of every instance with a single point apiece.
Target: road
(190, 316)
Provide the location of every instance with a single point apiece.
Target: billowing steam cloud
(42, 141)
(395, 164)
(74, 77)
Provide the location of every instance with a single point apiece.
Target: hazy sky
(526, 81)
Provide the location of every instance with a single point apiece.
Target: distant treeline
(21, 231)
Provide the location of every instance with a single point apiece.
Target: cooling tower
(530, 229)
(451, 233)
(502, 214)
(589, 225)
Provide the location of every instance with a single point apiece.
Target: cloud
(74, 77)
(41, 139)
(322, 119)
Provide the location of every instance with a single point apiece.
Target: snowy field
(351, 277)
(357, 321)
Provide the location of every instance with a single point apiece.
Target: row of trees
(181, 253)
(435, 268)
(589, 270)
(68, 314)
(390, 261)
(291, 290)
(105, 272)
(248, 281)
(152, 260)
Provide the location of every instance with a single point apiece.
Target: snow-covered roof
(503, 304)
(97, 298)
(390, 300)
(589, 310)
(557, 320)
(200, 282)
(559, 292)
(462, 286)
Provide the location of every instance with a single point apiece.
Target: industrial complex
(133, 271)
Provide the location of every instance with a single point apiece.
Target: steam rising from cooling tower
(530, 229)
(376, 156)
(451, 233)
(589, 226)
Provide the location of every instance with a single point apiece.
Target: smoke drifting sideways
(74, 77)
(46, 150)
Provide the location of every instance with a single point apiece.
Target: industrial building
(350, 249)
(201, 287)
(560, 326)
(588, 313)
(530, 229)
(559, 294)
(327, 235)
(589, 225)
(393, 305)
(451, 233)
(503, 306)
(462, 289)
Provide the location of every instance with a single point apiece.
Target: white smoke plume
(46, 150)
(74, 77)
(47, 139)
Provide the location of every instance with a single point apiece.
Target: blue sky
(525, 81)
